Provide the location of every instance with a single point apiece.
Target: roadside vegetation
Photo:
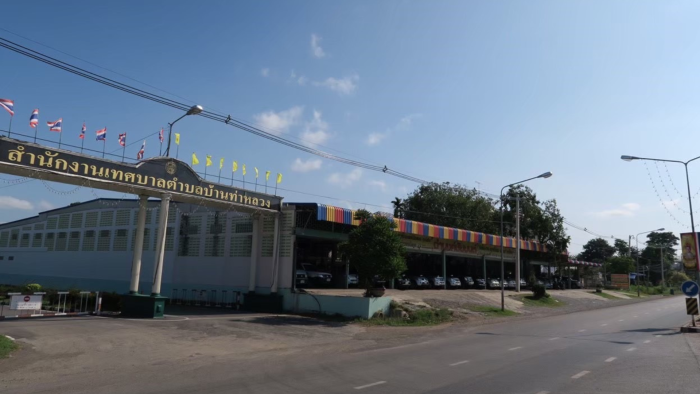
(547, 302)
(418, 317)
(492, 311)
(605, 295)
(7, 346)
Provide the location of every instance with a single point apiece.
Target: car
(403, 282)
(454, 282)
(493, 284)
(437, 282)
(378, 281)
(509, 283)
(523, 283)
(480, 284)
(548, 285)
(353, 280)
(317, 278)
(302, 279)
(468, 282)
(420, 282)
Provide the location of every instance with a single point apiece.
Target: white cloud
(315, 131)
(45, 205)
(627, 210)
(670, 204)
(278, 122)
(402, 125)
(306, 166)
(345, 180)
(265, 72)
(345, 85)
(302, 80)
(316, 49)
(298, 79)
(381, 185)
(9, 202)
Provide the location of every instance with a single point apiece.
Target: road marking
(459, 363)
(604, 324)
(580, 374)
(647, 341)
(646, 313)
(635, 316)
(370, 385)
(631, 349)
(553, 339)
(582, 330)
(658, 336)
(10, 338)
(621, 320)
(543, 392)
(611, 359)
(516, 348)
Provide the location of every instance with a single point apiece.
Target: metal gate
(58, 303)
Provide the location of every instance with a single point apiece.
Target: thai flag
(55, 126)
(82, 132)
(122, 139)
(139, 155)
(34, 119)
(101, 134)
(9, 106)
(160, 135)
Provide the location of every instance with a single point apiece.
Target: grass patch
(547, 302)
(605, 295)
(420, 317)
(492, 311)
(6, 346)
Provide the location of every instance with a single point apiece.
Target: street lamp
(503, 297)
(636, 240)
(194, 110)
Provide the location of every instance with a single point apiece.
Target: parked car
(403, 282)
(378, 281)
(468, 282)
(509, 283)
(480, 284)
(523, 283)
(420, 282)
(548, 285)
(437, 282)
(302, 279)
(494, 284)
(353, 280)
(454, 282)
(317, 278)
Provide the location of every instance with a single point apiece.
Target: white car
(454, 283)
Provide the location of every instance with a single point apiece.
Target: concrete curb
(45, 315)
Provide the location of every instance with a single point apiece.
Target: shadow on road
(576, 338)
(290, 320)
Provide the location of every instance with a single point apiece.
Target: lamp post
(636, 241)
(503, 297)
(687, 181)
(194, 110)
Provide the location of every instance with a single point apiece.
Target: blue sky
(466, 92)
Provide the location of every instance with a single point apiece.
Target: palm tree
(398, 207)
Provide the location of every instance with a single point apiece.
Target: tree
(620, 265)
(659, 244)
(549, 230)
(374, 248)
(622, 248)
(597, 250)
(398, 207)
(445, 204)
(530, 211)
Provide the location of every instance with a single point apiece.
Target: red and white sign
(25, 302)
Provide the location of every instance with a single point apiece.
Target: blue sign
(690, 288)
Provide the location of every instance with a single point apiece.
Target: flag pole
(232, 174)
(9, 132)
(160, 150)
(219, 175)
(256, 184)
(104, 144)
(244, 181)
(205, 171)
(35, 130)
(82, 143)
(276, 183)
(60, 134)
(177, 151)
(124, 149)
(265, 185)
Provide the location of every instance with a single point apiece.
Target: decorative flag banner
(243, 169)
(55, 126)
(82, 132)
(122, 139)
(139, 155)
(221, 163)
(194, 159)
(160, 135)
(9, 106)
(256, 172)
(177, 139)
(101, 135)
(279, 178)
(34, 119)
(267, 175)
(208, 160)
(235, 166)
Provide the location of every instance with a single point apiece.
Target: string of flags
(234, 168)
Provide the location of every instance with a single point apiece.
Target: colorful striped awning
(333, 214)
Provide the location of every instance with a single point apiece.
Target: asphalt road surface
(634, 348)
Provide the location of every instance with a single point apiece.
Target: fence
(206, 298)
(55, 303)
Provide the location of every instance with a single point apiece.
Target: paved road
(627, 349)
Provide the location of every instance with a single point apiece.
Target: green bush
(676, 279)
(32, 287)
(539, 291)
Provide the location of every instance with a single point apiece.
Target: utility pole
(517, 244)
(663, 282)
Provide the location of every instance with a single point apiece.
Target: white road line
(631, 349)
(647, 341)
(370, 385)
(646, 313)
(635, 316)
(553, 339)
(580, 374)
(658, 336)
(582, 330)
(621, 320)
(611, 359)
(10, 338)
(516, 348)
(604, 324)
(543, 392)
(459, 363)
